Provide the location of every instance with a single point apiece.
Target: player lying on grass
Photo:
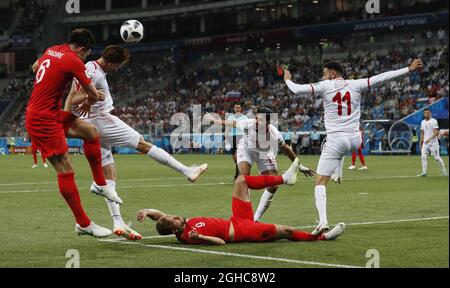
(241, 227)
(250, 150)
(115, 132)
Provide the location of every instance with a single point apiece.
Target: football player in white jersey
(341, 101)
(429, 143)
(114, 132)
(235, 133)
(260, 145)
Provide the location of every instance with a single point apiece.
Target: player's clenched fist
(287, 75)
(416, 64)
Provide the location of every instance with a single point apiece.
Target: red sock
(43, 158)
(35, 158)
(298, 235)
(353, 158)
(263, 181)
(361, 157)
(94, 156)
(68, 189)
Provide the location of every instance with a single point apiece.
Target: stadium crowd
(259, 83)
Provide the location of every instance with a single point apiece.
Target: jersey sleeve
(421, 126)
(308, 89)
(244, 124)
(435, 124)
(79, 72)
(278, 134)
(366, 83)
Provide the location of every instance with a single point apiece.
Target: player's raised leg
(266, 198)
(164, 158)
(68, 189)
(91, 145)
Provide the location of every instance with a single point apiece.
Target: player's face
(427, 114)
(237, 109)
(177, 222)
(113, 67)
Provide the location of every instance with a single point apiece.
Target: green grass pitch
(411, 226)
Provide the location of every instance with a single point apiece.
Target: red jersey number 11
(339, 99)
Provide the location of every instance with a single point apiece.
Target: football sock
(35, 158)
(264, 204)
(320, 193)
(44, 160)
(298, 235)
(424, 164)
(68, 189)
(353, 158)
(162, 157)
(361, 157)
(94, 156)
(263, 181)
(114, 208)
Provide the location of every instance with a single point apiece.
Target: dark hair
(116, 54)
(427, 109)
(266, 111)
(82, 38)
(334, 66)
(163, 226)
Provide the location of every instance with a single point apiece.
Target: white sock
(424, 164)
(320, 193)
(441, 164)
(162, 157)
(264, 204)
(114, 208)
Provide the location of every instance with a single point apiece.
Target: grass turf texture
(38, 228)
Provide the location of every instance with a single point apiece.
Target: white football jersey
(428, 130)
(98, 76)
(342, 98)
(251, 141)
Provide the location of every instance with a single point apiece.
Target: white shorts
(430, 149)
(334, 149)
(113, 132)
(266, 161)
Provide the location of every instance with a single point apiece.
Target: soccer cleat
(422, 175)
(106, 192)
(45, 165)
(321, 228)
(351, 167)
(93, 230)
(34, 166)
(336, 179)
(334, 233)
(195, 171)
(126, 232)
(290, 176)
(363, 168)
(444, 173)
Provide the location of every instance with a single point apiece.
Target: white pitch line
(225, 178)
(236, 255)
(125, 187)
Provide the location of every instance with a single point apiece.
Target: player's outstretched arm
(208, 239)
(150, 213)
(212, 120)
(297, 88)
(416, 65)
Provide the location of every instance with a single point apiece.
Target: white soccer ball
(132, 31)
